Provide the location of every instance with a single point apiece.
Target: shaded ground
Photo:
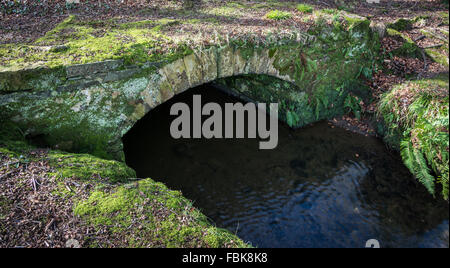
(48, 198)
(24, 23)
(31, 215)
(29, 31)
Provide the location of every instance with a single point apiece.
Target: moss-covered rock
(146, 213)
(31, 78)
(439, 53)
(87, 167)
(401, 24)
(408, 48)
(319, 80)
(107, 196)
(85, 121)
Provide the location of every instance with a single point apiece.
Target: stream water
(321, 187)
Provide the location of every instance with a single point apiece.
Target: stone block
(208, 60)
(176, 75)
(194, 70)
(93, 68)
(225, 62)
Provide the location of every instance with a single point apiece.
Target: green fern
(444, 181)
(422, 172)
(407, 154)
(292, 118)
(351, 103)
(417, 164)
(421, 130)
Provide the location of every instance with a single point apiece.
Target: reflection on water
(321, 187)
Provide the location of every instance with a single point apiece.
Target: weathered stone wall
(88, 108)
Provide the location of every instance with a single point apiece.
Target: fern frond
(407, 154)
(423, 172)
(417, 164)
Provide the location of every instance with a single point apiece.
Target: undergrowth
(416, 116)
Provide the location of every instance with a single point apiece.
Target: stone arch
(203, 67)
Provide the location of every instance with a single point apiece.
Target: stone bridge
(88, 108)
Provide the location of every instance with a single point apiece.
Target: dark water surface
(321, 187)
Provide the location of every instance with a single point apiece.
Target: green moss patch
(438, 54)
(408, 48)
(147, 214)
(93, 41)
(401, 24)
(444, 17)
(88, 167)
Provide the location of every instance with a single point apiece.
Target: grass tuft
(305, 8)
(278, 15)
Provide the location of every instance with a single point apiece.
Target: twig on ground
(433, 46)
(6, 175)
(419, 38)
(425, 63)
